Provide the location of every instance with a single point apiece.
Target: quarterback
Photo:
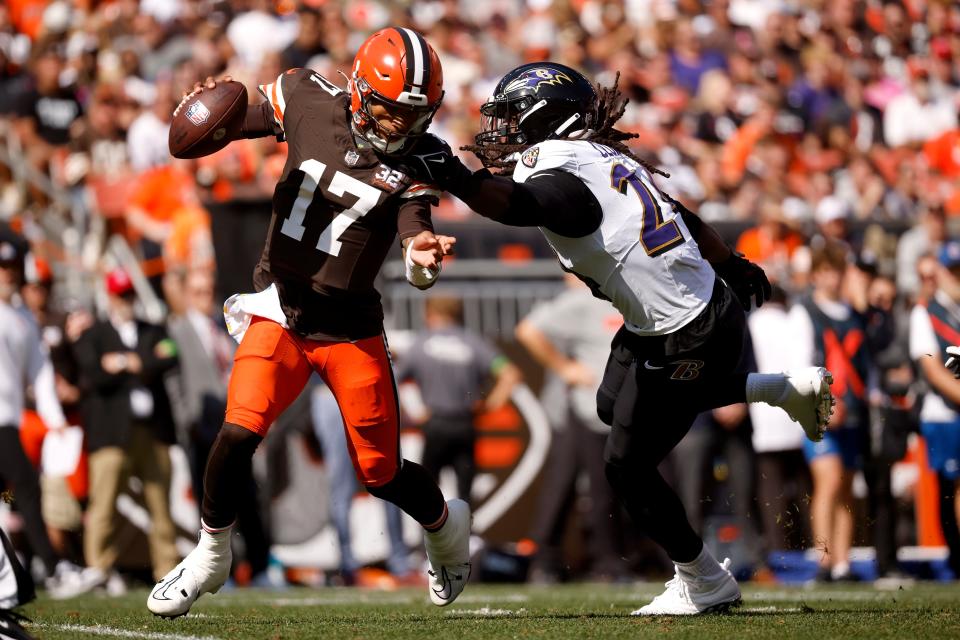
(349, 187)
(681, 290)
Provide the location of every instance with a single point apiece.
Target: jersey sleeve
(550, 154)
(288, 88)
(413, 217)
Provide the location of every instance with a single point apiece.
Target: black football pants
(650, 398)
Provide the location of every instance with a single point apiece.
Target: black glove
(745, 278)
(953, 362)
(432, 160)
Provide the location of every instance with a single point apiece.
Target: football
(208, 121)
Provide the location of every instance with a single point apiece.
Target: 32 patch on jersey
(529, 157)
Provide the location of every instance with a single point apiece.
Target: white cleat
(695, 595)
(204, 570)
(448, 551)
(807, 399)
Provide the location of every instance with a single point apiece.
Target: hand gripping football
(208, 120)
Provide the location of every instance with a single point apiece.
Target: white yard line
(486, 612)
(766, 610)
(101, 630)
(319, 601)
(476, 597)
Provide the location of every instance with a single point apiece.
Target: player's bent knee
(239, 435)
(249, 420)
(385, 489)
(376, 474)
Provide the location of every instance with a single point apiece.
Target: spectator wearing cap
(832, 216)
(935, 325)
(24, 361)
(129, 424)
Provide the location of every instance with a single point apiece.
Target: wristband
(420, 277)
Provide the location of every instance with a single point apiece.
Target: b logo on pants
(686, 369)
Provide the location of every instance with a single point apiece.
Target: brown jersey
(337, 210)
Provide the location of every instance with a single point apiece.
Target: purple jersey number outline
(656, 236)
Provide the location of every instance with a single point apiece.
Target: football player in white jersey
(681, 349)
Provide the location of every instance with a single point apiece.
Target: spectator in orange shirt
(943, 153)
(158, 194)
(157, 197)
(772, 242)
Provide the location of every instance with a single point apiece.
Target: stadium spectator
(782, 476)
(47, 111)
(61, 493)
(935, 325)
(198, 397)
(570, 337)
(925, 237)
(826, 331)
(127, 414)
(24, 360)
(453, 367)
(893, 406)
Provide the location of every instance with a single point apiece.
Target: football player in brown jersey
(351, 183)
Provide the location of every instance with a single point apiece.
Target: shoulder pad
(549, 154)
(281, 91)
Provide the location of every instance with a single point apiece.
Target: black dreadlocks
(611, 105)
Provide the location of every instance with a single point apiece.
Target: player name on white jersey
(642, 256)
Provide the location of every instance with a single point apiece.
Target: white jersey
(642, 256)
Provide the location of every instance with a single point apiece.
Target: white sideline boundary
(115, 632)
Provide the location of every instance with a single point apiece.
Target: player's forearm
(497, 198)
(712, 247)
(258, 122)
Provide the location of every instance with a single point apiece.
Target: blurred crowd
(827, 131)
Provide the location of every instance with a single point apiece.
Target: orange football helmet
(398, 69)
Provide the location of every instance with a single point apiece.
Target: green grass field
(576, 611)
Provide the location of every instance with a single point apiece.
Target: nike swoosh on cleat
(162, 595)
(446, 589)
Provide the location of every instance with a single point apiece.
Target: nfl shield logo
(529, 157)
(198, 113)
(351, 158)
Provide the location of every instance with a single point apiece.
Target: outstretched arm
(553, 199)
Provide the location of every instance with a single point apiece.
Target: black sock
(228, 467)
(414, 491)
